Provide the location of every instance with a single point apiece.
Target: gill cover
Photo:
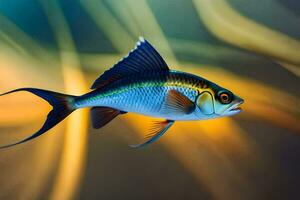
(205, 103)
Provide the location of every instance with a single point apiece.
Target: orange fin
(177, 102)
(155, 132)
(103, 115)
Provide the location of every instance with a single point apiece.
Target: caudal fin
(62, 107)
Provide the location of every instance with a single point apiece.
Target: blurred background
(250, 47)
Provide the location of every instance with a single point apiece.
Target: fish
(142, 83)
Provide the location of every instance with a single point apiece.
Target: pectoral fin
(103, 115)
(178, 103)
(156, 131)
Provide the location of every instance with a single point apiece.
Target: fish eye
(225, 97)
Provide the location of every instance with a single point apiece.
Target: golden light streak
(24, 110)
(273, 115)
(27, 112)
(144, 20)
(23, 40)
(45, 153)
(15, 70)
(16, 171)
(211, 51)
(12, 43)
(98, 63)
(14, 74)
(123, 11)
(150, 28)
(72, 161)
(205, 151)
(113, 30)
(225, 23)
(213, 145)
(227, 135)
(18, 109)
(292, 68)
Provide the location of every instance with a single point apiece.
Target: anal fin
(103, 115)
(156, 131)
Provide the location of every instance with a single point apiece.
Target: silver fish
(142, 83)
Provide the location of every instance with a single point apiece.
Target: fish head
(216, 101)
(227, 104)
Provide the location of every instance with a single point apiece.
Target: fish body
(143, 83)
(144, 94)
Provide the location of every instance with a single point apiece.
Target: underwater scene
(224, 74)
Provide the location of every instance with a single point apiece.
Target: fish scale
(144, 94)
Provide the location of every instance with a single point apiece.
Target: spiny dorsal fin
(142, 58)
(103, 115)
(178, 103)
(156, 131)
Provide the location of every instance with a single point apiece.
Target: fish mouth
(235, 108)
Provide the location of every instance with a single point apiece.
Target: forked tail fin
(62, 106)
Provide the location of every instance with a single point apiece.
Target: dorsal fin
(142, 58)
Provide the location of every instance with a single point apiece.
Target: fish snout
(235, 107)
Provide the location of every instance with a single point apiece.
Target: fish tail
(62, 107)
